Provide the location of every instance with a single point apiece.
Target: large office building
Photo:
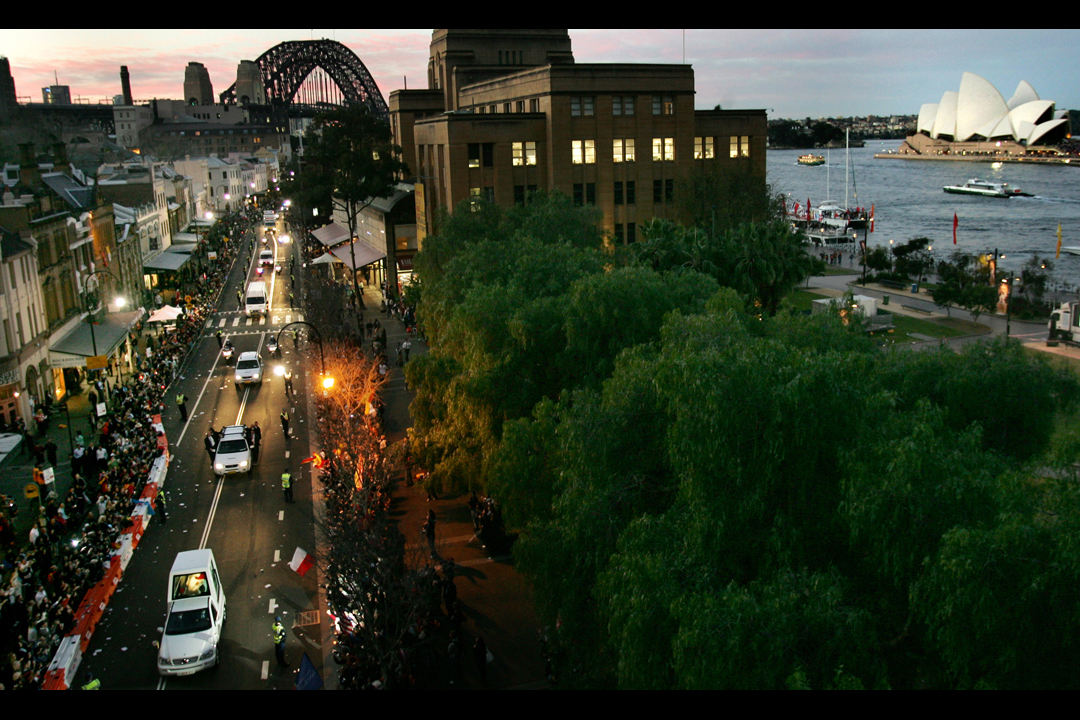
(507, 112)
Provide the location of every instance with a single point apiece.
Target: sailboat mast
(847, 166)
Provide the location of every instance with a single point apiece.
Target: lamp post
(119, 303)
(327, 381)
(90, 311)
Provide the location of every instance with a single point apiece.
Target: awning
(185, 238)
(73, 349)
(331, 235)
(168, 260)
(363, 253)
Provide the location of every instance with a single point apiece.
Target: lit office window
(744, 146)
(663, 105)
(524, 153)
(584, 151)
(703, 148)
(663, 149)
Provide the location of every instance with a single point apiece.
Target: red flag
(871, 218)
(301, 562)
(955, 222)
(808, 209)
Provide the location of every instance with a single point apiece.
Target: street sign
(31, 491)
(97, 362)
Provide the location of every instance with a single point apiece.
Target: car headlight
(208, 654)
(219, 466)
(256, 376)
(238, 377)
(243, 463)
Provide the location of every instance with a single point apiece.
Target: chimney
(125, 85)
(28, 165)
(60, 158)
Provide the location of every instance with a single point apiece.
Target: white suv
(233, 453)
(248, 369)
(266, 257)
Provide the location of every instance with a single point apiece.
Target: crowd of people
(44, 577)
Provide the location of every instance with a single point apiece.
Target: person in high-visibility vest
(285, 423)
(279, 641)
(286, 485)
(181, 400)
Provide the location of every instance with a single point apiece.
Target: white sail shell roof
(945, 121)
(979, 111)
(927, 113)
(979, 104)
(1024, 94)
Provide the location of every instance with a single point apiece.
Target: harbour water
(909, 202)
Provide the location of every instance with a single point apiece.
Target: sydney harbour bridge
(306, 77)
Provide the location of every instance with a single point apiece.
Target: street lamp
(327, 380)
(118, 301)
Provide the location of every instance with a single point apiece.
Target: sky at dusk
(792, 73)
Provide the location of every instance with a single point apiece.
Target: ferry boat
(975, 186)
(811, 159)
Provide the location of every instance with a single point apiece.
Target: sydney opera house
(979, 121)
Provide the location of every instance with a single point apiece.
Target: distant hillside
(810, 133)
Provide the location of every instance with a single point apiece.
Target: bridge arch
(287, 65)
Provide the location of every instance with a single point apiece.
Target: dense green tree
(351, 159)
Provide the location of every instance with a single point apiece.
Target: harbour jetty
(1030, 160)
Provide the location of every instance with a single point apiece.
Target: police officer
(279, 641)
(285, 423)
(162, 506)
(288, 382)
(181, 399)
(286, 485)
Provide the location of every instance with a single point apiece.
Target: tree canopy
(712, 493)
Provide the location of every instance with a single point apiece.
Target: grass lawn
(802, 300)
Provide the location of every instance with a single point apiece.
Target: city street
(244, 520)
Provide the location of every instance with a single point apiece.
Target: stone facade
(508, 112)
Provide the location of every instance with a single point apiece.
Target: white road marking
(265, 669)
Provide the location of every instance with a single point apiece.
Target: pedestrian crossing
(274, 318)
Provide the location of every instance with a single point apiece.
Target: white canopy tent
(324, 259)
(165, 314)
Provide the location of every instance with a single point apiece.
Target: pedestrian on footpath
(181, 400)
(279, 641)
(429, 531)
(286, 485)
(285, 423)
(405, 348)
(482, 658)
(454, 651)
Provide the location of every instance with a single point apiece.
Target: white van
(255, 299)
(195, 615)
